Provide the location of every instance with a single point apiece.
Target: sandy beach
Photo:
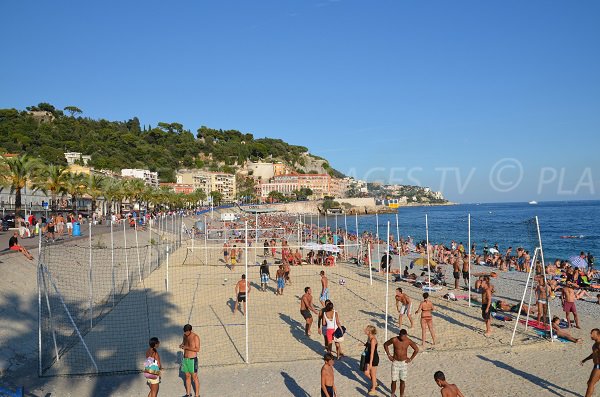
(282, 360)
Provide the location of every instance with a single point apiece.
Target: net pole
(167, 279)
(205, 241)
(149, 242)
(537, 224)
(326, 230)
(255, 236)
(427, 248)
(377, 238)
(112, 261)
(247, 290)
(345, 235)
(126, 261)
(387, 287)
(137, 248)
(51, 318)
(521, 305)
(469, 256)
(39, 275)
(311, 225)
(358, 248)
(398, 243)
(318, 226)
(370, 265)
(91, 277)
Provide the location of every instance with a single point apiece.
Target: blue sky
(504, 95)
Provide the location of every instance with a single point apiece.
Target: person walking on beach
(595, 356)
(306, 307)
(448, 390)
(404, 306)
(400, 359)
(426, 308)
(324, 289)
(152, 367)
(330, 321)
(242, 288)
(486, 303)
(265, 276)
(327, 378)
(280, 280)
(371, 358)
(568, 301)
(189, 365)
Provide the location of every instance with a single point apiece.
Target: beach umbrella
(423, 262)
(331, 248)
(312, 246)
(577, 261)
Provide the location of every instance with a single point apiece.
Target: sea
(566, 227)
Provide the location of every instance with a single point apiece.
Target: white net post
(377, 238)
(137, 249)
(126, 261)
(469, 257)
(537, 224)
(91, 277)
(149, 243)
(427, 249)
(346, 236)
(398, 243)
(39, 285)
(167, 269)
(523, 300)
(247, 288)
(112, 261)
(370, 265)
(205, 241)
(387, 284)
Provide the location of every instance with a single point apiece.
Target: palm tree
(94, 187)
(75, 187)
(112, 190)
(16, 173)
(51, 178)
(134, 189)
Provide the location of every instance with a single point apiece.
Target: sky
(487, 101)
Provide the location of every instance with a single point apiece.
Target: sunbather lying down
(505, 306)
(561, 333)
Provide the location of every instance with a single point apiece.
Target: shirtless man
(324, 289)
(465, 272)
(241, 289)
(327, 382)
(403, 305)
(456, 272)
(306, 307)
(568, 301)
(447, 390)
(400, 359)
(288, 269)
(226, 253)
(486, 303)
(595, 356)
(280, 276)
(189, 365)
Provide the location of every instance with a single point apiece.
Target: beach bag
(151, 369)
(338, 335)
(363, 360)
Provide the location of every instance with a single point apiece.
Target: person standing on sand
(447, 390)
(542, 291)
(400, 359)
(404, 306)
(226, 253)
(330, 321)
(455, 271)
(306, 307)
(265, 275)
(372, 358)
(280, 275)
(324, 289)
(486, 303)
(327, 378)
(242, 288)
(595, 356)
(426, 308)
(568, 301)
(465, 272)
(153, 359)
(189, 365)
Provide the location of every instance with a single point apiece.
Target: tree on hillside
(75, 187)
(51, 178)
(72, 110)
(94, 186)
(217, 197)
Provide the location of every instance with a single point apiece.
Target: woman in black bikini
(372, 358)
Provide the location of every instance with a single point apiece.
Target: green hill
(127, 144)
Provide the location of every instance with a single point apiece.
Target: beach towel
(547, 335)
(535, 324)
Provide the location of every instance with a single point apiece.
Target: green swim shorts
(189, 365)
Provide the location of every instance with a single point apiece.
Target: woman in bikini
(151, 354)
(426, 308)
(372, 358)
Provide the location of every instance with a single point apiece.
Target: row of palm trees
(56, 181)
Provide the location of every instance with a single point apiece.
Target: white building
(150, 178)
(72, 157)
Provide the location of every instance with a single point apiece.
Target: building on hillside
(209, 182)
(321, 185)
(73, 157)
(42, 116)
(178, 187)
(263, 172)
(149, 177)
